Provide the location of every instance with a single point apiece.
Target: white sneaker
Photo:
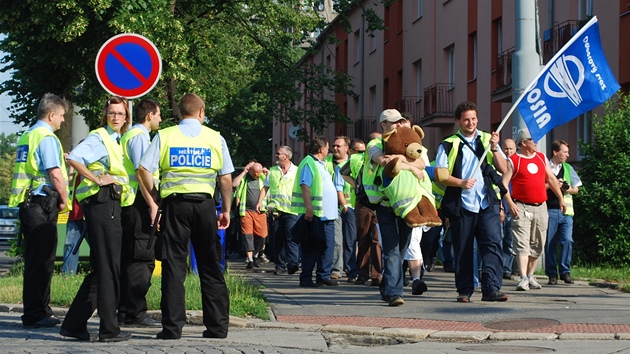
(533, 284)
(523, 284)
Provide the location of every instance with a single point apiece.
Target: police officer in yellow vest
(138, 260)
(315, 200)
(39, 188)
(194, 164)
(560, 226)
(105, 185)
(279, 184)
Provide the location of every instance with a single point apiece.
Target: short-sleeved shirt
(137, 145)
(47, 155)
(190, 127)
(329, 197)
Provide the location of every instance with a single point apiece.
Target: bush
(602, 207)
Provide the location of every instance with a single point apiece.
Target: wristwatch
(496, 149)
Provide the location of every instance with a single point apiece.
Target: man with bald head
(509, 148)
(248, 185)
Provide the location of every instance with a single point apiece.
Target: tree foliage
(239, 56)
(602, 208)
(8, 147)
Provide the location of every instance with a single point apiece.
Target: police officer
(39, 188)
(105, 186)
(138, 259)
(193, 160)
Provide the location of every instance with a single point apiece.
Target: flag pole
(533, 83)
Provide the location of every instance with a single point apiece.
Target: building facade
(437, 53)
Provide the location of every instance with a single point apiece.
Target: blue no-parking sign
(128, 65)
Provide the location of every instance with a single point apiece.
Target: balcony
(557, 36)
(363, 127)
(503, 77)
(411, 105)
(438, 106)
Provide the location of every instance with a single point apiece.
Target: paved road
(351, 319)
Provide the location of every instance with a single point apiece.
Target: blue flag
(576, 80)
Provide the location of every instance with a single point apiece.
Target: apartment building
(437, 53)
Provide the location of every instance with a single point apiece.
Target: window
(357, 46)
(418, 69)
(584, 126)
(373, 41)
(373, 100)
(451, 67)
(499, 37)
(472, 56)
(418, 8)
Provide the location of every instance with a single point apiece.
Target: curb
(400, 334)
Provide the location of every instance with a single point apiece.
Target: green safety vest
(241, 193)
(348, 191)
(87, 188)
(356, 163)
(189, 164)
(452, 156)
(438, 189)
(281, 188)
(130, 167)
(568, 198)
(317, 189)
(371, 171)
(405, 191)
(26, 172)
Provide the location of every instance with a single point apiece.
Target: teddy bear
(412, 199)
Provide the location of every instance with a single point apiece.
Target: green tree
(238, 55)
(602, 208)
(8, 146)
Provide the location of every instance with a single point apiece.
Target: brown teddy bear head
(404, 141)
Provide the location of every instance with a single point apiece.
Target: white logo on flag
(559, 74)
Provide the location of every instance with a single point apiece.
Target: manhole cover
(505, 349)
(521, 324)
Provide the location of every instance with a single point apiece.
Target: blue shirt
(329, 197)
(475, 198)
(92, 149)
(47, 155)
(190, 127)
(137, 145)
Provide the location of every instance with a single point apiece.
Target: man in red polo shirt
(528, 171)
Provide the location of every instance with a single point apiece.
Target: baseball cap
(390, 115)
(522, 136)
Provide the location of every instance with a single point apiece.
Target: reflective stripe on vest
(281, 188)
(452, 155)
(297, 204)
(568, 198)
(130, 167)
(241, 193)
(370, 171)
(87, 188)
(26, 172)
(348, 191)
(189, 164)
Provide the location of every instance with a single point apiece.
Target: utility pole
(525, 61)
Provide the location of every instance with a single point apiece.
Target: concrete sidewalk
(563, 311)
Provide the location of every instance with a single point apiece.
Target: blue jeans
(318, 250)
(286, 251)
(74, 229)
(508, 256)
(559, 234)
(350, 243)
(395, 235)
